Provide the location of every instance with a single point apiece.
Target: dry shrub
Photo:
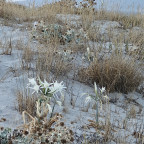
(49, 61)
(127, 21)
(60, 66)
(11, 10)
(115, 73)
(7, 48)
(137, 38)
(63, 6)
(19, 12)
(27, 58)
(26, 102)
(75, 48)
(95, 35)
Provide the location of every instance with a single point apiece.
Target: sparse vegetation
(115, 73)
(81, 46)
(26, 102)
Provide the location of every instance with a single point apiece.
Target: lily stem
(53, 109)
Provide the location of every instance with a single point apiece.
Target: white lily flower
(35, 88)
(88, 50)
(35, 25)
(46, 85)
(50, 109)
(69, 32)
(57, 87)
(85, 36)
(102, 89)
(88, 99)
(32, 82)
(59, 103)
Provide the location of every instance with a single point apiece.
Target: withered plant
(26, 102)
(115, 73)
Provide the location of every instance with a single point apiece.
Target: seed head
(62, 124)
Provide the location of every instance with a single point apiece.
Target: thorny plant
(48, 131)
(64, 35)
(4, 135)
(87, 6)
(97, 98)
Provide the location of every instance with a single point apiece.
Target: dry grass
(11, 11)
(128, 21)
(116, 74)
(26, 102)
(49, 61)
(7, 48)
(64, 6)
(21, 13)
(27, 57)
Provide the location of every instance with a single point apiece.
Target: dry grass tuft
(49, 61)
(116, 74)
(26, 102)
(19, 12)
(11, 10)
(127, 21)
(7, 48)
(27, 58)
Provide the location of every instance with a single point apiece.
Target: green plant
(5, 135)
(97, 98)
(48, 92)
(64, 35)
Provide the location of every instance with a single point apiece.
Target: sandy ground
(12, 77)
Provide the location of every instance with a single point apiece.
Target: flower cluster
(45, 87)
(48, 92)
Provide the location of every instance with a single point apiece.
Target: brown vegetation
(116, 74)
